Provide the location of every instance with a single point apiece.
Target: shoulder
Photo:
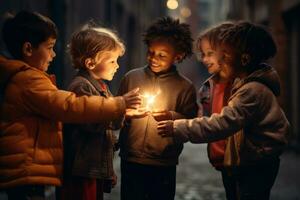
(135, 72)
(184, 81)
(81, 85)
(33, 78)
(253, 92)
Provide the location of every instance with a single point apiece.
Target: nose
(117, 66)
(204, 59)
(152, 58)
(53, 54)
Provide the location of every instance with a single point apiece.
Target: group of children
(244, 125)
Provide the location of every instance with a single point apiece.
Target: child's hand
(114, 180)
(133, 99)
(162, 115)
(165, 128)
(136, 113)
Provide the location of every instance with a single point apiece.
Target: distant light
(185, 12)
(172, 4)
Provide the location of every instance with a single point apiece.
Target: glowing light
(172, 4)
(185, 12)
(150, 100)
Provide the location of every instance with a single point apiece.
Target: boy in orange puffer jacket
(32, 109)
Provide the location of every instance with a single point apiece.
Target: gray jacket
(88, 148)
(253, 119)
(139, 140)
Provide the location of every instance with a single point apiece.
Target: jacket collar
(100, 85)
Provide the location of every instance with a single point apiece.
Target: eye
(210, 53)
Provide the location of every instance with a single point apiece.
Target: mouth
(155, 65)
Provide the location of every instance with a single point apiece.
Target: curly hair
(171, 30)
(89, 41)
(213, 35)
(250, 39)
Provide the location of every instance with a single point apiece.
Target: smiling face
(230, 63)
(161, 56)
(41, 56)
(105, 65)
(209, 57)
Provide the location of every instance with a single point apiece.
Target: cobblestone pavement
(197, 180)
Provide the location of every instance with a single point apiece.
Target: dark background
(131, 17)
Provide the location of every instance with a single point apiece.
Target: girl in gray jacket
(253, 121)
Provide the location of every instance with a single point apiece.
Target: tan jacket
(30, 123)
(256, 126)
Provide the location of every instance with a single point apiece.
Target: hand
(165, 128)
(133, 98)
(114, 180)
(162, 115)
(136, 113)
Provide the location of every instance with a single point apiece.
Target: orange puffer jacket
(30, 125)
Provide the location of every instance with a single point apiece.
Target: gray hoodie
(139, 140)
(256, 126)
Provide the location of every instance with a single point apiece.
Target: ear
(27, 49)
(245, 59)
(179, 57)
(89, 63)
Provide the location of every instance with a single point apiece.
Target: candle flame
(150, 99)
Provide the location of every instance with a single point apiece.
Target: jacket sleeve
(188, 106)
(242, 107)
(43, 98)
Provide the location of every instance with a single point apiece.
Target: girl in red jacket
(213, 95)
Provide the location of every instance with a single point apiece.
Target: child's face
(161, 55)
(209, 57)
(105, 65)
(229, 64)
(40, 57)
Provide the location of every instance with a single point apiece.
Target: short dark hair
(171, 30)
(251, 39)
(24, 27)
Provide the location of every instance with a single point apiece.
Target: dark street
(197, 180)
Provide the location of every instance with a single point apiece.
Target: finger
(134, 91)
(162, 123)
(135, 98)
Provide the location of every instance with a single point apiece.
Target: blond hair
(89, 41)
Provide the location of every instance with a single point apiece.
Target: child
(89, 148)
(33, 108)
(148, 164)
(213, 95)
(253, 121)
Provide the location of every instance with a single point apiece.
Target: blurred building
(283, 19)
(128, 17)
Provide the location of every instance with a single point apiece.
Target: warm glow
(150, 100)
(172, 4)
(185, 12)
